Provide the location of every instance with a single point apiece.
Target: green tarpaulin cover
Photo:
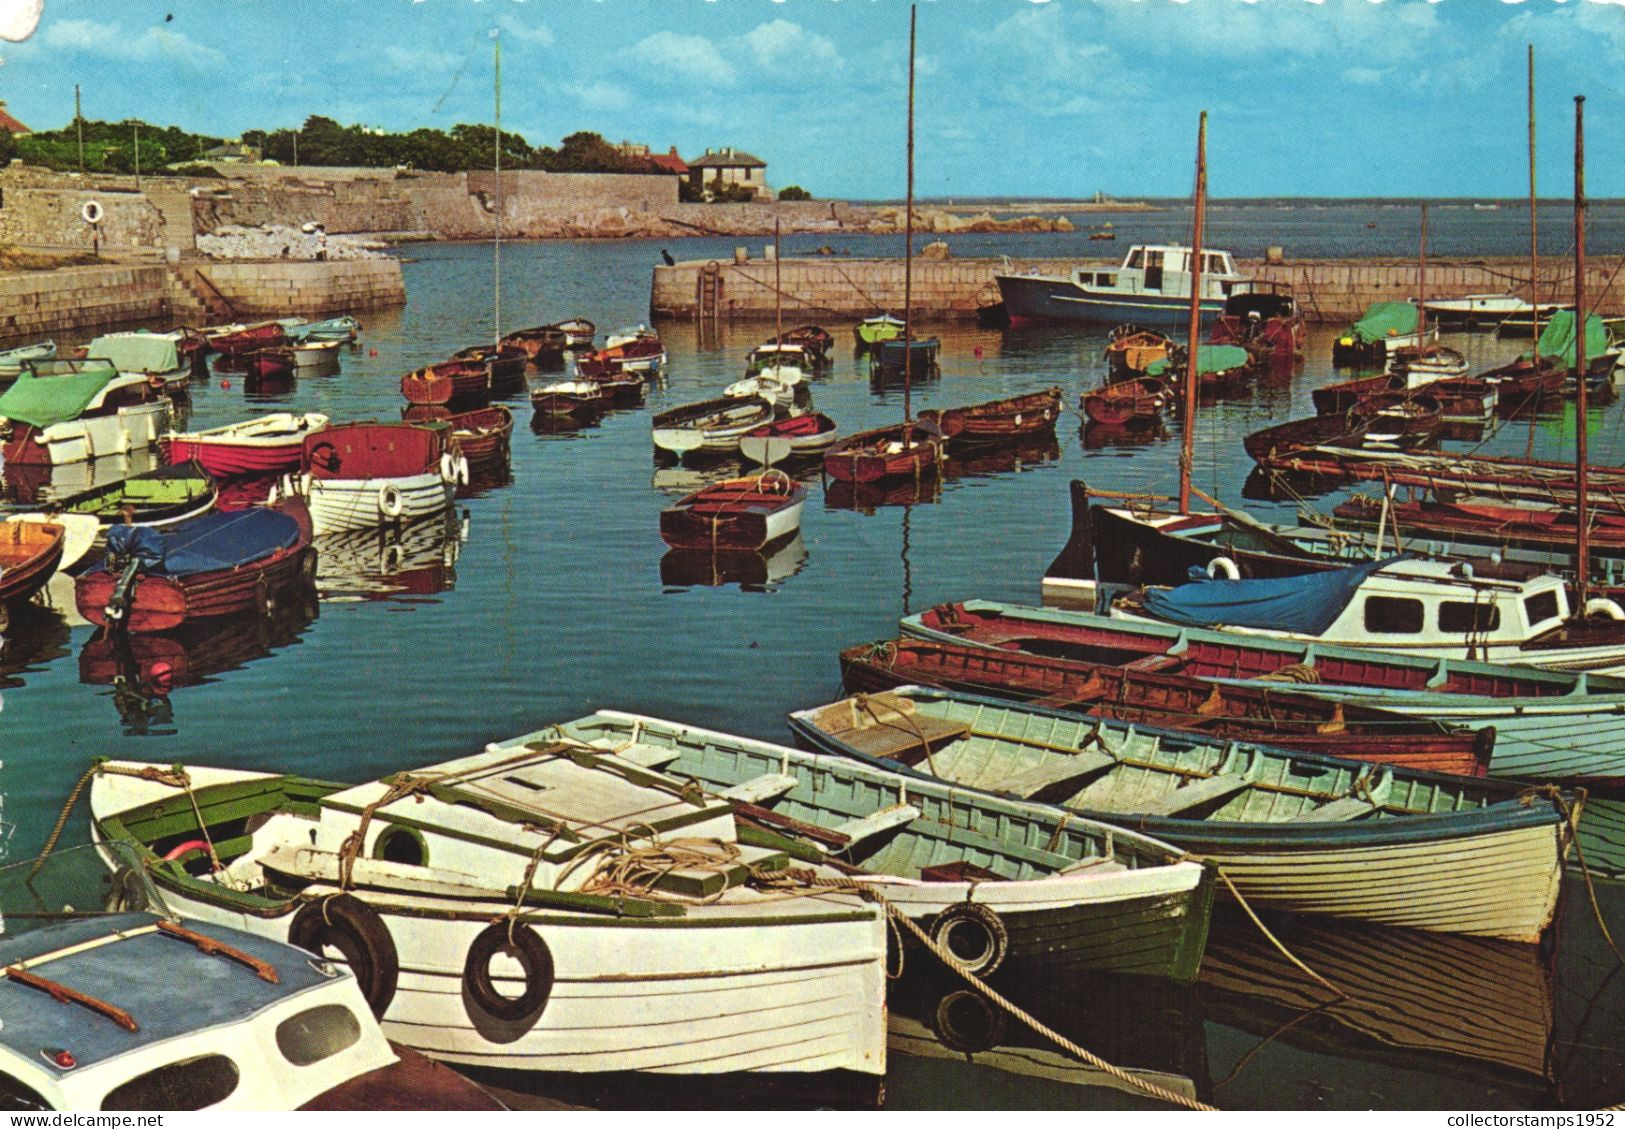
(50, 392)
(1557, 338)
(137, 352)
(1209, 358)
(1384, 320)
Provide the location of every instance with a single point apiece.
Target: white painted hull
(338, 504)
(136, 428)
(751, 982)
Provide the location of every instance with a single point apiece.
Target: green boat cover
(1557, 338)
(137, 352)
(1209, 358)
(1384, 320)
(49, 392)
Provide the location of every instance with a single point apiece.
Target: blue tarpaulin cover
(1304, 605)
(208, 543)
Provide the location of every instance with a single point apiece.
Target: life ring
(973, 934)
(448, 468)
(324, 456)
(390, 558)
(535, 961)
(352, 927)
(1603, 606)
(966, 1023)
(462, 470)
(91, 211)
(1223, 566)
(127, 891)
(390, 501)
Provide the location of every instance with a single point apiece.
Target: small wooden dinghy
(535, 904)
(465, 381)
(1292, 831)
(1126, 403)
(506, 363)
(911, 450)
(30, 553)
(736, 514)
(217, 564)
(991, 878)
(873, 330)
(710, 427)
(1008, 420)
(621, 388)
(170, 494)
(569, 398)
(268, 444)
(1131, 350)
(543, 345)
(239, 341)
(12, 360)
(578, 332)
(1246, 711)
(482, 435)
(793, 437)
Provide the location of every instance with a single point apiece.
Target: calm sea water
(548, 597)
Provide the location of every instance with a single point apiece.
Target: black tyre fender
(348, 924)
(973, 934)
(533, 956)
(966, 1022)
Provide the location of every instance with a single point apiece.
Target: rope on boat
(175, 778)
(942, 952)
(1572, 819)
(1276, 941)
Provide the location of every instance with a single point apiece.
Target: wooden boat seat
(960, 870)
(1152, 664)
(896, 736)
(1200, 792)
(759, 789)
(1054, 772)
(647, 756)
(876, 823)
(1338, 811)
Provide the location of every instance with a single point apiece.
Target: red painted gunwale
(878, 454)
(732, 514)
(1137, 400)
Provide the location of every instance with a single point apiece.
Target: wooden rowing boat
(1126, 403)
(482, 435)
(710, 427)
(735, 514)
(1245, 711)
(1007, 420)
(30, 552)
(908, 451)
(989, 878)
(267, 444)
(463, 381)
(792, 437)
(1385, 420)
(1291, 831)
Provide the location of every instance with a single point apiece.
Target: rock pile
(275, 241)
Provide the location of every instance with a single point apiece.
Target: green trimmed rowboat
(156, 497)
(986, 876)
(873, 330)
(1292, 831)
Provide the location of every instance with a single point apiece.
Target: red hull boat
(268, 445)
(902, 450)
(1254, 713)
(241, 342)
(448, 381)
(736, 514)
(482, 435)
(505, 362)
(1140, 400)
(998, 421)
(542, 344)
(157, 600)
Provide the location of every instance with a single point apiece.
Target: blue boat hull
(1038, 298)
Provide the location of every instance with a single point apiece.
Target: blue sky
(1340, 97)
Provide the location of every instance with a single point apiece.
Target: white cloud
(539, 35)
(155, 44)
(418, 60)
(781, 44)
(681, 58)
(600, 96)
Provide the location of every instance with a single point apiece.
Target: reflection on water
(31, 485)
(752, 572)
(144, 670)
(414, 560)
(867, 497)
(34, 637)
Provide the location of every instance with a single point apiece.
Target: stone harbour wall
(39, 303)
(953, 289)
(51, 217)
(272, 289)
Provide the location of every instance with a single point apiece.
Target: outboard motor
(131, 550)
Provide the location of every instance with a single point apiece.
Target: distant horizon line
(1516, 201)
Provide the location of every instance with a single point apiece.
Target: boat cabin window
(1458, 617)
(194, 1083)
(1106, 278)
(1392, 615)
(1136, 259)
(18, 1098)
(1213, 264)
(1541, 607)
(317, 1033)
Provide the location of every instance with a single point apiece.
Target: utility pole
(79, 126)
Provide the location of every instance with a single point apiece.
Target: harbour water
(550, 595)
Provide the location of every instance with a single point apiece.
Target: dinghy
(268, 444)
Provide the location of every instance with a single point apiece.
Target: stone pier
(953, 289)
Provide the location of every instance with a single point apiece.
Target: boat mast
(908, 238)
(496, 241)
(778, 299)
(1582, 556)
(1187, 453)
(1534, 253)
(1422, 286)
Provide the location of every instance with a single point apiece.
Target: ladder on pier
(708, 291)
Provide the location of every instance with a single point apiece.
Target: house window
(1390, 615)
(1459, 617)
